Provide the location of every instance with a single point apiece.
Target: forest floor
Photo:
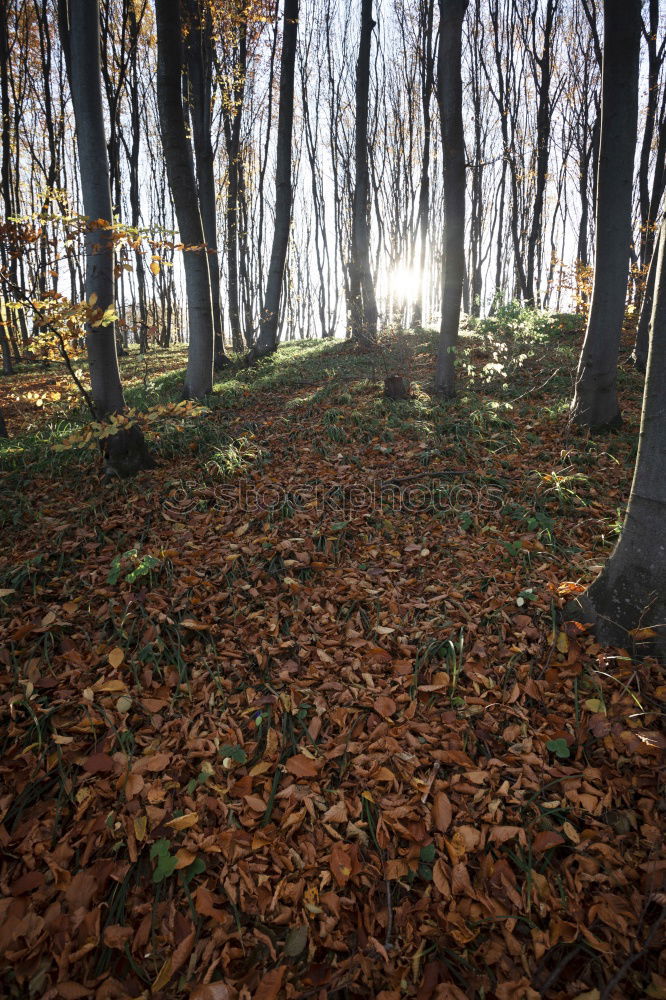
(294, 714)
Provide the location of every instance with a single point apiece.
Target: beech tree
(182, 181)
(630, 591)
(449, 94)
(595, 402)
(427, 71)
(79, 27)
(363, 304)
(200, 92)
(270, 317)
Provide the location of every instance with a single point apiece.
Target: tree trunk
(133, 164)
(125, 452)
(642, 345)
(595, 403)
(268, 331)
(232, 80)
(449, 93)
(630, 591)
(200, 74)
(180, 171)
(362, 289)
(543, 122)
(426, 18)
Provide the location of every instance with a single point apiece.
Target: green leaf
(559, 747)
(427, 854)
(198, 867)
(160, 848)
(297, 940)
(237, 754)
(166, 863)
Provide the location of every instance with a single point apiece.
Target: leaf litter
(329, 751)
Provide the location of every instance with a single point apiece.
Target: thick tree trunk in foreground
(268, 331)
(180, 171)
(595, 401)
(362, 290)
(79, 22)
(449, 94)
(630, 591)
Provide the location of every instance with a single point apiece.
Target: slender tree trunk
(426, 15)
(268, 331)
(630, 591)
(449, 93)
(135, 205)
(595, 402)
(233, 96)
(362, 289)
(7, 366)
(180, 171)
(641, 347)
(655, 59)
(200, 74)
(543, 121)
(79, 23)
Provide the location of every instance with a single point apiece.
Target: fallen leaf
(183, 822)
(302, 767)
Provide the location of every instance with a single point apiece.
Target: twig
(79, 385)
(22, 297)
(389, 918)
(558, 970)
(627, 964)
(535, 388)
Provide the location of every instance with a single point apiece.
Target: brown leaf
(546, 839)
(184, 858)
(302, 767)
(440, 879)
(72, 991)
(116, 936)
(194, 625)
(255, 803)
(460, 883)
(27, 883)
(442, 812)
(98, 763)
(341, 863)
(211, 991)
(384, 706)
(395, 868)
(269, 987)
(204, 903)
(156, 762)
(183, 822)
(337, 813)
(133, 785)
(116, 656)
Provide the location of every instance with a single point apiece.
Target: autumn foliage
(322, 747)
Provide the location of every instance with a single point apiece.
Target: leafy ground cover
(294, 714)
